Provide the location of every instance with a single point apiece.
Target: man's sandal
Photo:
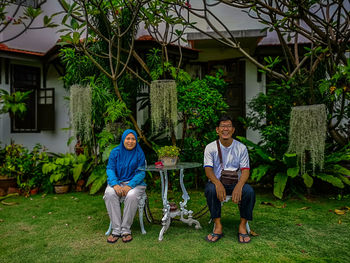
(243, 237)
(127, 240)
(214, 235)
(113, 238)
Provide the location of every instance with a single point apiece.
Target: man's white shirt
(234, 158)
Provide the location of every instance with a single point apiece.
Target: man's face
(225, 130)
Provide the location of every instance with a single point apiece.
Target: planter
(5, 183)
(80, 185)
(163, 100)
(13, 190)
(169, 161)
(34, 191)
(61, 189)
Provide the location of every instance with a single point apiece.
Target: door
(234, 75)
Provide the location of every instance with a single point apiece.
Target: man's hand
(118, 189)
(237, 194)
(220, 191)
(126, 189)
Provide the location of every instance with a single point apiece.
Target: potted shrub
(10, 166)
(168, 155)
(64, 170)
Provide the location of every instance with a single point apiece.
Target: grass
(70, 228)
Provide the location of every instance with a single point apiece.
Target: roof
(150, 38)
(5, 48)
(272, 40)
(235, 33)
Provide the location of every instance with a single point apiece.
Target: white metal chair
(228, 198)
(142, 203)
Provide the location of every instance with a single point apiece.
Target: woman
(124, 180)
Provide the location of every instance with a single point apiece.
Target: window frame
(15, 68)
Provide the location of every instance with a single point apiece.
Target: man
(234, 158)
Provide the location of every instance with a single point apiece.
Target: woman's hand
(125, 190)
(118, 189)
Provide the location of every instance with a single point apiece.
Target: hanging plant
(308, 127)
(163, 99)
(80, 112)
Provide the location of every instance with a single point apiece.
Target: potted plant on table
(168, 155)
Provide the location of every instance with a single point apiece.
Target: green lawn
(71, 227)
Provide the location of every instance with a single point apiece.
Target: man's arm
(220, 190)
(237, 192)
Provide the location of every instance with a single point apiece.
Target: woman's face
(130, 142)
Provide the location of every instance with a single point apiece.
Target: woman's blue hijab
(127, 161)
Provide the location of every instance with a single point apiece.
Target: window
(40, 105)
(28, 3)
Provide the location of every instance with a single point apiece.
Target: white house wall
(54, 141)
(253, 88)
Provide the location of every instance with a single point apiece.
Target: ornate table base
(182, 212)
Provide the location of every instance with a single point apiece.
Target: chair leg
(247, 227)
(109, 229)
(141, 207)
(142, 203)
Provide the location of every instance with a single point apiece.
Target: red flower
(188, 4)
(159, 164)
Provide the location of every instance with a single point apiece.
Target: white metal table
(182, 212)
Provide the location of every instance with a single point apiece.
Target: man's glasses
(225, 126)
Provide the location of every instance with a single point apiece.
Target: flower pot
(80, 185)
(6, 182)
(61, 189)
(169, 161)
(34, 191)
(13, 190)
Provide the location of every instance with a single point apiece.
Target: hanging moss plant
(80, 112)
(163, 99)
(308, 126)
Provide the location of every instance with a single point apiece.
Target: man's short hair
(224, 118)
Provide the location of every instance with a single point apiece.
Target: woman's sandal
(127, 240)
(113, 238)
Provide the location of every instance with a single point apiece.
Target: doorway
(234, 75)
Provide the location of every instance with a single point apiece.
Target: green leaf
(77, 171)
(97, 172)
(259, 172)
(76, 38)
(74, 24)
(293, 172)
(280, 182)
(331, 179)
(308, 180)
(97, 178)
(341, 169)
(344, 179)
(70, 140)
(97, 184)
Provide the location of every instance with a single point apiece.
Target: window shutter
(46, 109)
